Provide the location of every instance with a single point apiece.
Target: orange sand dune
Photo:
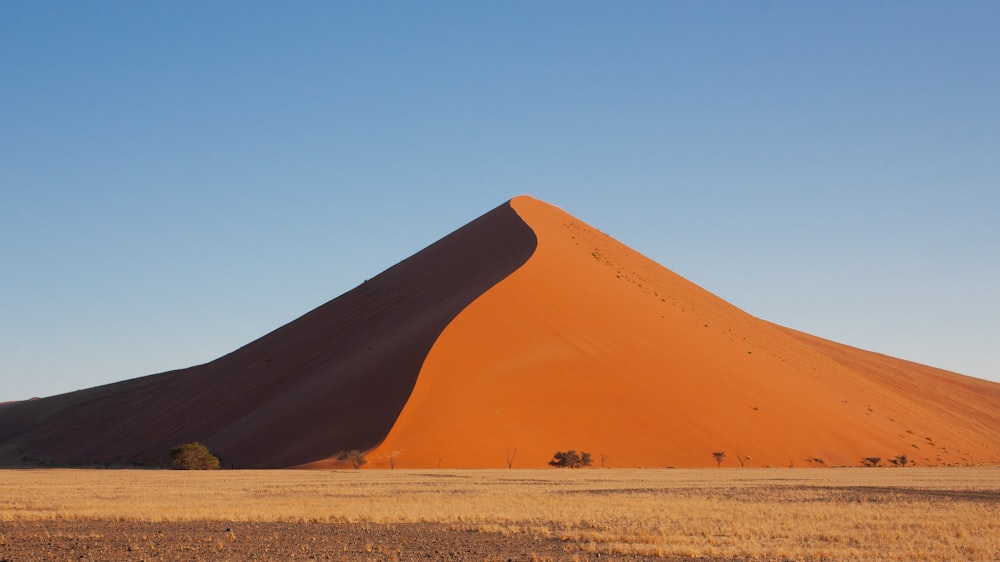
(332, 380)
(592, 346)
(527, 331)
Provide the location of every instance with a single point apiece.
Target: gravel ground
(82, 540)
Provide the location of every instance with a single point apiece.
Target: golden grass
(800, 514)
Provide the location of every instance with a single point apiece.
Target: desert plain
(718, 514)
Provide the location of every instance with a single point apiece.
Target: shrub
(356, 457)
(871, 461)
(193, 456)
(570, 459)
(900, 460)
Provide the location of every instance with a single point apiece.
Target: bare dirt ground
(85, 540)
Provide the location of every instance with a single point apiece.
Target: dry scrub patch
(759, 514)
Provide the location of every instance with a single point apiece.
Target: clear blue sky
(179, 178)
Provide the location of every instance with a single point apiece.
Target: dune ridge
(523, 333)
(332, 380)
(592, 346)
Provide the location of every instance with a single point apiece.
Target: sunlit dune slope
(332, 380)
(523, 333)
(591, 346)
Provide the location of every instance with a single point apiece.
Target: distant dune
(523, 333)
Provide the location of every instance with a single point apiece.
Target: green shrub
(193, 456)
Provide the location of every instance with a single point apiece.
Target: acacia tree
(719, 455)
(193, 456)
(743, 459)
(570, 459)
(356, 457)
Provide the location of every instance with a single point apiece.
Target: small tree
(356, 457)
(510, 457)
(391, 457)
(743, 459)
(719, 455)
(564, 459)
(871, 461)
(193, 456)
(570, 459)
(604, 459)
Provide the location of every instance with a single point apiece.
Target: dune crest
(332, 380)
(591, 346)
(520, 334)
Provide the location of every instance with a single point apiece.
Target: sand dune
(592, 346)
(526, 330)
(332, 380)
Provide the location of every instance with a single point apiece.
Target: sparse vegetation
(900, 460)
(743, 459)
(391, 459)
(871, 461)
(193, 456)
(719, 457)
(510, 457)
(357, 458)
(773, 514)
(570, 459)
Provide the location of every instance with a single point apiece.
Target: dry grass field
(721, 514)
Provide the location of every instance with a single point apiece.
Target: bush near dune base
(357, 458)
(193, 456)
(871, 461)
(719, 457)
(900, 460)
(570, 459)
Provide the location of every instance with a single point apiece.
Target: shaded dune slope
(592, 346)
(523, 333)
(333, 380)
